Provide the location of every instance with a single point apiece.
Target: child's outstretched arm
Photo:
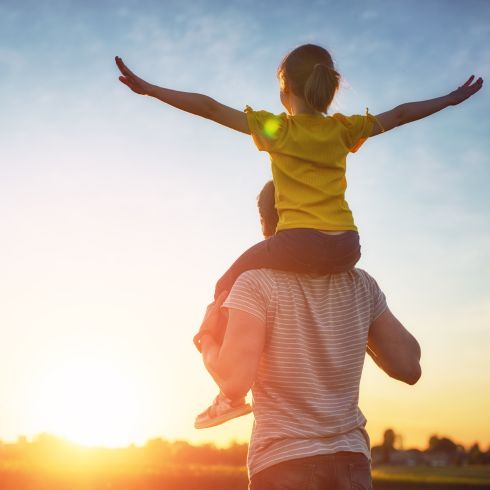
(198, 104)
(413, 111)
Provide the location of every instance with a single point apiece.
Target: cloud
(191, 43)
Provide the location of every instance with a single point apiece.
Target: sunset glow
(90, 402)
(118, 214)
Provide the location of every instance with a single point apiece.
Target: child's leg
(344, 251)
(297, 250)
(222, 408)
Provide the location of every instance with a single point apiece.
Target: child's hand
(135, 83)
(214, 322)
(213, 313)
(465, 91)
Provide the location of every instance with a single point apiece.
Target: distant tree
(443, 445)
(475, 455)
(433, 442)
(156, 450)
(448, 450)
(388, 445)
(389, 438)
(182, 452)
(486, 457)
(461, 455)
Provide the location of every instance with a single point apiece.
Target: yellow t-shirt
(308, 158)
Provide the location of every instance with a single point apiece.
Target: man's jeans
(338, 471)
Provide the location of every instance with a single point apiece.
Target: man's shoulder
(274, 274)
(257, 277)
(363, 275)
(270, 278)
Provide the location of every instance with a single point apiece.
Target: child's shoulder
(347, 121)
(263, 113)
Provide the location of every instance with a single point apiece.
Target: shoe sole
(237, 412)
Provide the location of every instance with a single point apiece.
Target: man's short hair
(267, 209)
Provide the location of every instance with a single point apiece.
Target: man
(299, 342)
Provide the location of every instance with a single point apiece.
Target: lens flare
(271, 127)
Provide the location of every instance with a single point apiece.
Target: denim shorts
(300, 250)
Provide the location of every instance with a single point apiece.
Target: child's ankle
(234, 402)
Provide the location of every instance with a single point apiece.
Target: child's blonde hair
(310, 73)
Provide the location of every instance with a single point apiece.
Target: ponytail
(320, 87)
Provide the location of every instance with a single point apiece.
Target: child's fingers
(468, 82)
(477, 85)
(123, 68)
(125, 81)
(119, 64)
(221, 299)
(213, 309)
(130, 83)
(474, 87)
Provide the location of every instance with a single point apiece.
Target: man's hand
(466, 90)
(135, 83)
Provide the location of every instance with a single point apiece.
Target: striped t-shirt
(306, 392)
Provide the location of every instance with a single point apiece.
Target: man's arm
(394, 349)
(233, 365)
(413, 111)
(198, 104)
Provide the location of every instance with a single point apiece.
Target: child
(316, 231)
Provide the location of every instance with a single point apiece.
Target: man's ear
(266, 231)
(262, 224)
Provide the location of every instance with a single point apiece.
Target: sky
(118, 213)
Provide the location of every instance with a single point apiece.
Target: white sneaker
(220, 411)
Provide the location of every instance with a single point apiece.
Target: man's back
(307, 385)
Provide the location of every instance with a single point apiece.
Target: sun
(89, 401)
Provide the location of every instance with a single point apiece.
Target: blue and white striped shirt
(306, 392)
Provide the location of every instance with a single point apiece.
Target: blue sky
(118, 213)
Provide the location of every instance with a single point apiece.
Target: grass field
(423, 477)
(226, 478)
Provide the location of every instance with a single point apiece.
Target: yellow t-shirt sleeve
(266, 128)
(357, 129)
